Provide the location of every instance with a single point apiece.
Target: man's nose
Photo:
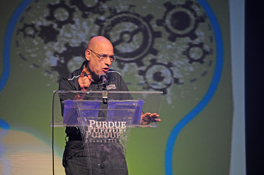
(108, 60)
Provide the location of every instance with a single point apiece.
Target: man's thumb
(82, 73)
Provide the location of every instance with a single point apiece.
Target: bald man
(104, 158)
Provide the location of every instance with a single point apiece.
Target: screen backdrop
(180, 47)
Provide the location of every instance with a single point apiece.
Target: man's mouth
(106, 69)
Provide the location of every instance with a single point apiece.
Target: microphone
(103, 78)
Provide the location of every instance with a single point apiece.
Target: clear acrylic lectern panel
(69, 105)
(104, 119)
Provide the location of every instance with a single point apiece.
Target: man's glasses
(102, 57)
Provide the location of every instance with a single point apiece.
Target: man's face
(96, 64)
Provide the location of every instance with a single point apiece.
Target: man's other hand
(148, 118)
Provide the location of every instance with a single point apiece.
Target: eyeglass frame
(102, 57)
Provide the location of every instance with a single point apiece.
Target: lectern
(103, 117)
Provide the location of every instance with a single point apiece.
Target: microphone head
(103, 78)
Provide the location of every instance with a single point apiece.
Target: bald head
(96, 47)
(99, 42)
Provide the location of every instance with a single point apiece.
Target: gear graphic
(180, 20)
(130, 31)
(86, 10)
(28, 30)
(66, 56)
(48, 33)
(159, 76)
(196, 53)
(59, 18)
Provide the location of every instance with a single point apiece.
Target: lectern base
(95, 159)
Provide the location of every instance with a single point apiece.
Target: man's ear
(87, 55)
